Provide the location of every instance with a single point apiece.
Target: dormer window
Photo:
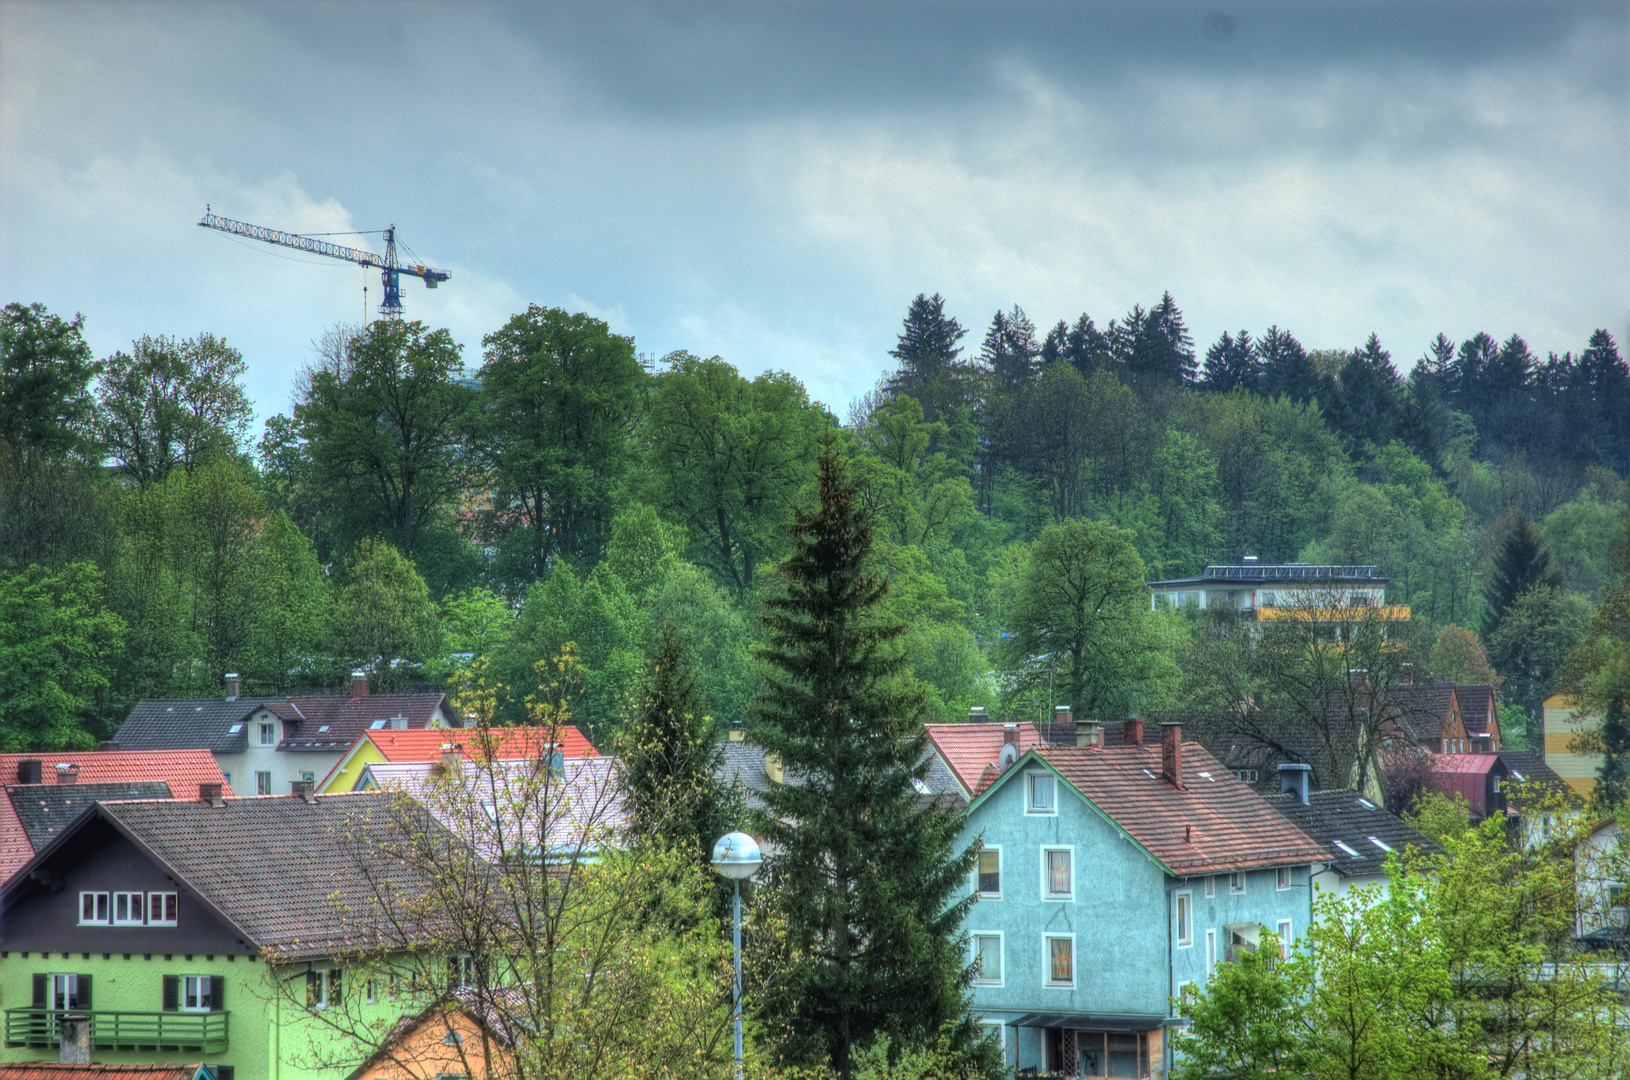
(268, 734)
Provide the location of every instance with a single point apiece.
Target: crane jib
(318, 247)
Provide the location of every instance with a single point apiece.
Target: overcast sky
(774, 182)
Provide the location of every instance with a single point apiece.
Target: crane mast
(391, 270)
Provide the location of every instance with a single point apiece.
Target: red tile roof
(1464, 763)
(182, 770)
(509, 743)
(50, 1070)
(1215, 824)
(968, 748)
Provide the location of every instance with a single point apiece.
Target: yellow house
(1564, 721)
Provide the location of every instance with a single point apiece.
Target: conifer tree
(865, 875)
(1286, 369)
(1522, 561)
(670, 754)
(1232, 362)
(927, 352)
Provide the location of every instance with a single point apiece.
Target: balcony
(203, 1032)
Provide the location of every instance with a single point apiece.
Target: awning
(1092, 1021)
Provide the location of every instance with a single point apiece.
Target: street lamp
(736, 856)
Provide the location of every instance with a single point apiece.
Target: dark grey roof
(1300, 573)
(743, 763)
(197, 724)
(283, 871)
(45, 809)
(1528, 767)
(1336, 818)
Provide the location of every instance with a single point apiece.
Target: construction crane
(390, 269)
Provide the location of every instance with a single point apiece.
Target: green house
(159, 930)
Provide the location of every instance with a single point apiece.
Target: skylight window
(1379, 844)
(322, 729)
(1207, 776)
(922, 788)
(1347, 849)
(1520, 777)
(236, 728)
(377, 725)
(1149, 774)
(1366, 804)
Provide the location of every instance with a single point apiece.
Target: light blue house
(1111, 878)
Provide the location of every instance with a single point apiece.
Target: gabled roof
(333, 722)
(509, 743)
(180, 771)
(1348, 825)
(1423, 709)
(1466, 763)
(279, 870)
(1215, 824)
(190, 724)
(743, 763)
(51, 1070)
(328, 722)
(1528, 767)
(45, 809)
(1476, 706)
(968, 748)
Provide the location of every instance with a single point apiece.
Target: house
(507, 806)
(1565, 721)
(1357, 835)
(449, 1039)
(43, 794)
(151, 929)
(967, 755)
(1478, 778)
(1111, 879)
(1602, 878)
(430, 744)
(266, 746)
(1480, 715)
(747, 765)
(1271, 590)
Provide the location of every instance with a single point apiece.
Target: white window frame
(321, 997)
(195, 988)
(263, 782)
(169, 908)
(1046, 885)
(1001, 956)
(1283, 879)
(136, 901)
(100, 902)
(1047, 961)
(1183, 913)
(1286, 937)
(371, 992)
(1211, 952)
(1030, 779)
(267, 734)
(1186, 992)
(61, 987)
(995, 849)
(1211, 886)
(1236, 883)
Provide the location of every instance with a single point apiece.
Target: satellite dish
(1010, 754)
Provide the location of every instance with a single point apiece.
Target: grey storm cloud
(774, 182)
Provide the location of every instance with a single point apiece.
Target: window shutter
(224, 1072)
(172, 993)
(82, 992)
(217, 993)
(311, 989)
(452, 973)
(40, 986)
(334, 987)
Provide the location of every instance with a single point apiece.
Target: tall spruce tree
(1522, 561)
(1232, 362)
(865, 872)
(927, 352)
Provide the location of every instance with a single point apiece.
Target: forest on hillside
(417, 509)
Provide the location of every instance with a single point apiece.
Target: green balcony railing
(201, 1031)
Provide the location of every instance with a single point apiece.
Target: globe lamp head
(736, 855)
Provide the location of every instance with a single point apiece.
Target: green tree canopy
(56, 638)
(384, 622)
(45, 369)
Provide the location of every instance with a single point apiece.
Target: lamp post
(736, 856)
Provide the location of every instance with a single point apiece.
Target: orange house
(445, 1042)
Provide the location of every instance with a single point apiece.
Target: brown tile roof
(334, 722)
(282, 870)
(50, 1070)
(968, 748)
(1476, 706)
(1215, 824)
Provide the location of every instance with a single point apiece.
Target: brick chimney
(451, 761)
(67, 773)
(1171, 753)
(232, 686)
(1133, 731)
(210, 793)
(359, 684)
(1063, 733)
(977, 715)
(1010, 734)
